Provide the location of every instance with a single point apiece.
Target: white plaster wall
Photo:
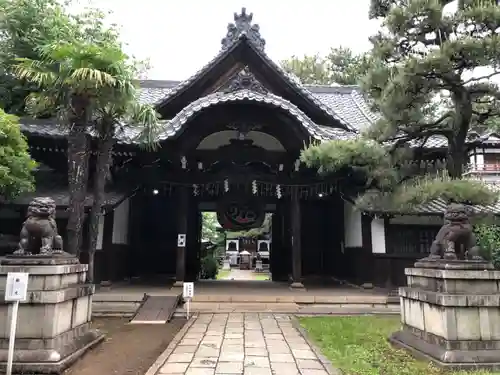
(378, 236)
(352, 226)
(100, 232)
(120, 223)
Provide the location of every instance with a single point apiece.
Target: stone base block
(450, 314)
(54, 322)
(178, 284)
(442, 264)
(446, 358)
(51, 361)
(297, 286)
(39, 260)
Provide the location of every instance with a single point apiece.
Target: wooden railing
(492, 168)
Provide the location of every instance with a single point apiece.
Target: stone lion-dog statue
(455, 240)
(40, 229)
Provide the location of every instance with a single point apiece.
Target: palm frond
(147, 119)
(88, 78)
(36, 72)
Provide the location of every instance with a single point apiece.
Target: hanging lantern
(254, 187)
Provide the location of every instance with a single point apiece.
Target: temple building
(231, 140)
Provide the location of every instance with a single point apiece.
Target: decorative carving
(455, 239)
(243, 25)
(40, 229)
(244, 127)
(245, 80)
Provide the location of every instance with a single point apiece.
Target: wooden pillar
(108, 249)
(182, 226)
(296, 240)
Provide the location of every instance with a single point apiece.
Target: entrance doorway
(235, 255)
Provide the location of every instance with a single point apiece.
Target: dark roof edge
(317, 89)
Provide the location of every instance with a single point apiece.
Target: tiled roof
(317, 132)
(153, 91)
(52, 129)
(61, 197)
(438, 206)
(50, 183)
(346, 101)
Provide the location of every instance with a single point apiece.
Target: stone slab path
(240, 275)
(246, 344)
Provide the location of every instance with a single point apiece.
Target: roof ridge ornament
(242, 25)
(245, 80)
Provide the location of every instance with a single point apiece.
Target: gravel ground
(129, 349)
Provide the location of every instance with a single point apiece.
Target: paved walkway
(240, 275)
(247, 344)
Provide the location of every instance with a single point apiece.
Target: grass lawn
(222, 274)
(260, 276)
(359, 346)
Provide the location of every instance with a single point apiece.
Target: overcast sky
(181, 36)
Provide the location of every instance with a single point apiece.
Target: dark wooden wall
(405, 244)
(153, 236)
(153, 230)
(322, 234)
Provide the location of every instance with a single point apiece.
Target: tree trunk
(78, 157)
(455, 160)
(103, 161)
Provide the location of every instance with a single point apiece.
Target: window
(410, 239)
(492, 162)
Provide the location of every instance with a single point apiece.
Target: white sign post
(187, 294)
(16, 290)
(181, 240)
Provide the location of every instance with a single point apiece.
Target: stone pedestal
(226, 266)
(450, 314)
(53, 327)
(258, 266)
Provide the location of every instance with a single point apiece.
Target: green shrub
(209, 267)
(488, 238)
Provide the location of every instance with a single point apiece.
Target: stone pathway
(245, 344)
(240, 275)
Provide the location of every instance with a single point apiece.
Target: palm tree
(73, 78)
(116, 108)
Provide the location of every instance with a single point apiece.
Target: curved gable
(243, 47)
(183, 117)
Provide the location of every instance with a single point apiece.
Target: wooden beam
(296, 241)
(182, 228)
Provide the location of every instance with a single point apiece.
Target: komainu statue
(455, 239)
(40, 229)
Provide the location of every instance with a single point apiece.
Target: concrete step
(289, 308)
(295, 298)
(116, 304)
